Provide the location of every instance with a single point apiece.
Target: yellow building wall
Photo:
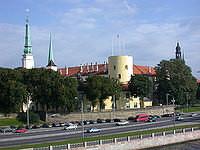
(146, 104)
(120, 65)
(120, 104)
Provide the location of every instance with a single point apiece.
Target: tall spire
(50, 50)
(27, 46)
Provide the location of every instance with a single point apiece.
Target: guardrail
(117, 140)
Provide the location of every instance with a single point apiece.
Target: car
(56, 125)
(158, 116)
(20, 130)
(92, 122)
(74, 122)
(29, 127)
(116, 120)
(6, 129)
(131, 118)
(152, 119)
(13, 127)
(109, 120)
(179, 118)
(167, 115)
(69, 127)
(36, 126)
(91, 130)
(141, 117)
(122, 123)
(46, 125)
(86, 122)
(193, 114)
(101, 121)
(62, 124)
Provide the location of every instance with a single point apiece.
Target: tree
(98, 88)
(198, 91)
(174, 77)
(139, 85)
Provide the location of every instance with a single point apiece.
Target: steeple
(27, 46)
(51, 64)
(178, 51)
(27, 60)
(50, 51)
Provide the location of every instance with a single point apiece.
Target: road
(43, 135)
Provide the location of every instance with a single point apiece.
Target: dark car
(116, 120)
(152, 119)
(86, 122)
(46, 125)
(167, 115)
(20, 126)
(131, 118)
(56, 125)
(101, 121)
(36, 126)
(13, 127)
(109, 120)
(92, 122)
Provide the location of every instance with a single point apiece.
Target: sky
(83, 30)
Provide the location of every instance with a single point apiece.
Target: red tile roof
(73, 71)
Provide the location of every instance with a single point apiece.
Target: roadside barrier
(91, 144)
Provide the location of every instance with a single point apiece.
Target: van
(142, 117)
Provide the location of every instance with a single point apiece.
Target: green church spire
(50, 51)
(27, 46)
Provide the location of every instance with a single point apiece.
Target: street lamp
(173, 101)
(167, 99)
(80, 100)
(27, 111)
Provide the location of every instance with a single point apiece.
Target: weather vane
(27, 10)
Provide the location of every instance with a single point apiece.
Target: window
(119, 76)
(114, 67)
(135, 96)
(126, 67)
(135, 104)
(127, 95)
(127, 105)
(88, 107)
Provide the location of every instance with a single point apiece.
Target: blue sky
(82, 31)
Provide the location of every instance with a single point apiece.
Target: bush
(33, 117)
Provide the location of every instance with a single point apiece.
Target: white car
(193, 114)
(122, 123)
(69, 127)
(91, 130)
(179, 118)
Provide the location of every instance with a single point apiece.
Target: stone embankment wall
(122, 114)
(150, 142)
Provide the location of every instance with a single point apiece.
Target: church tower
(27, 60)
(178, 51)
(51, 64)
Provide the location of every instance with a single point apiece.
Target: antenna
(119, 44)
(124, 47)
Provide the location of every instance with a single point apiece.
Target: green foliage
(43, 86)
(33, 118)
(198, 92)
(98, 88)
(175, 78)
(139, 85)
(10, 122)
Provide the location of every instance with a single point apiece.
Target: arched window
(114, 67)
(119, 75)
(126, 67)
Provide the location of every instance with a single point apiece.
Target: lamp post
(167, 99)
(173, 101)
(27, 111)
(80, 100)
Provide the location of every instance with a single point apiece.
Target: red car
(19, 130)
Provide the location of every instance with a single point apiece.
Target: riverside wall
(150, 142)
(122, 114)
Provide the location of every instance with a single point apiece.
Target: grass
(100, 137)
(10, 122)
(13, 122)
(190, 109)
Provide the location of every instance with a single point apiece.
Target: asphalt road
(54, 134)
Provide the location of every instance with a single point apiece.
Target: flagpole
(119, 45)
(112, 45)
